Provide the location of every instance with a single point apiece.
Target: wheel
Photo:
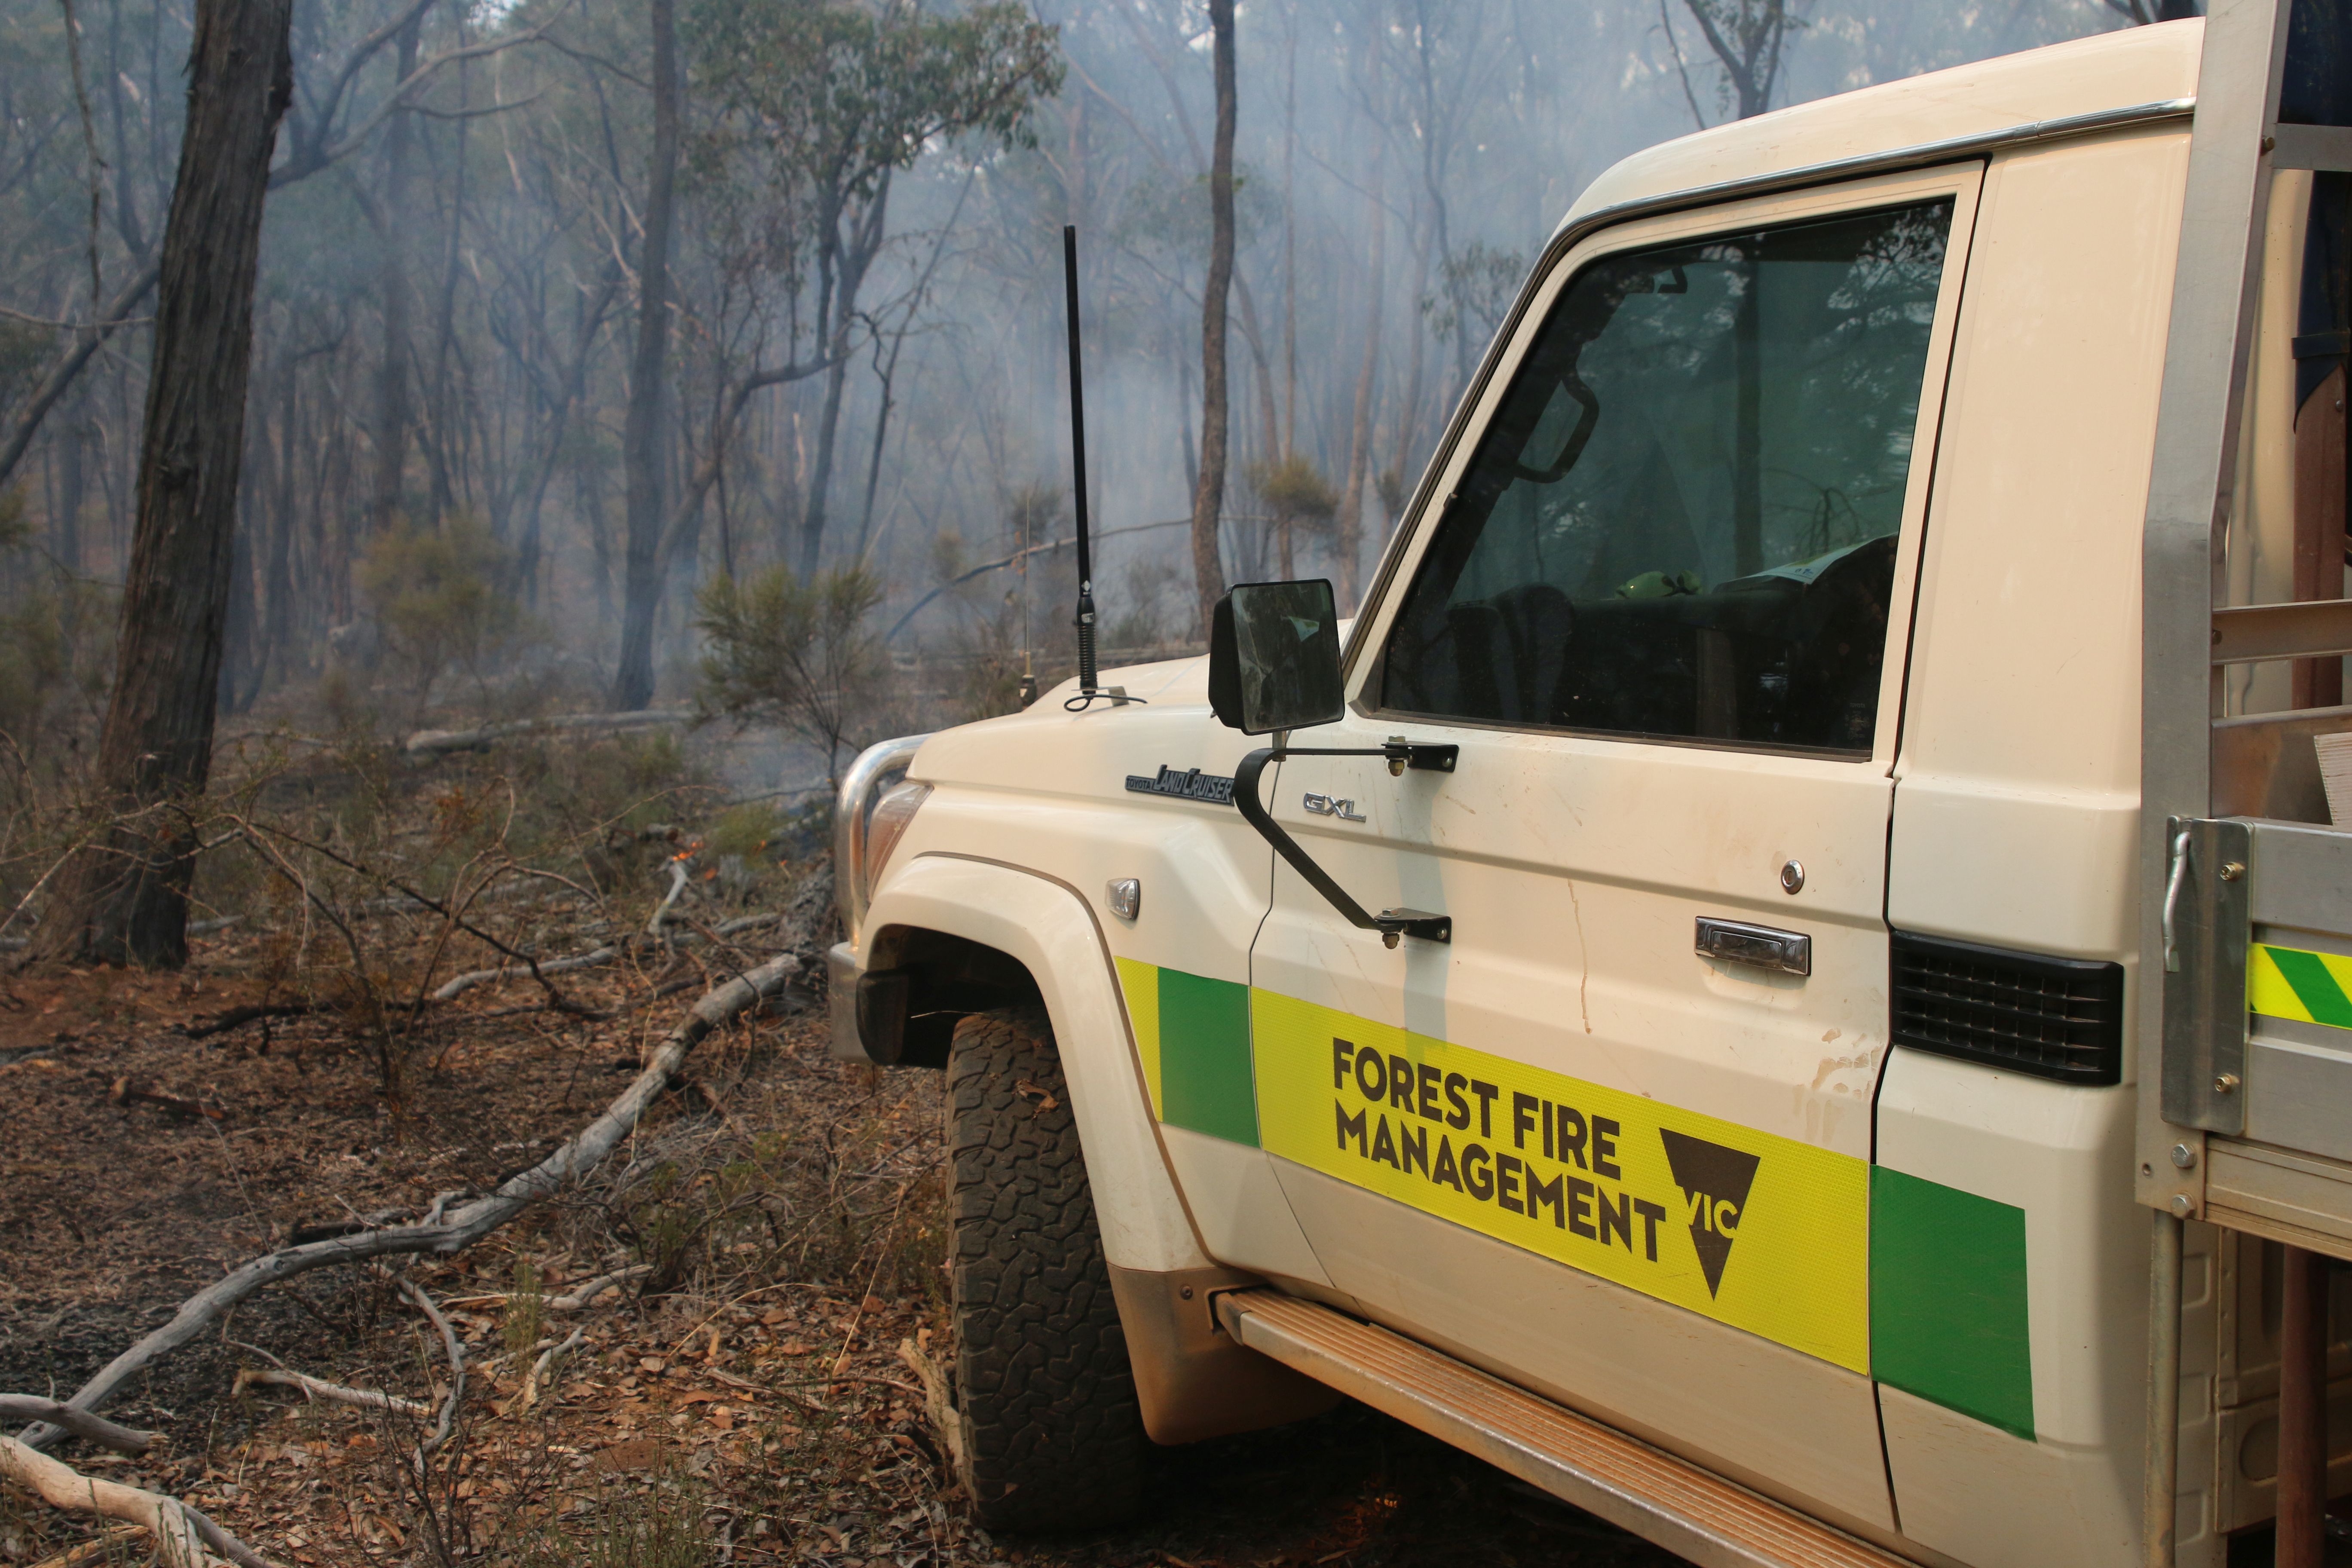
(1052, 1438)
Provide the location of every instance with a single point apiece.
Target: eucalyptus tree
(122, 896)
(822, 105)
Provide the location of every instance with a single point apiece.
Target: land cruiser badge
(1184, 784)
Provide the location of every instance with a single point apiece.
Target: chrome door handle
(1736, 941)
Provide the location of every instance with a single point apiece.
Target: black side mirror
(1274, 657)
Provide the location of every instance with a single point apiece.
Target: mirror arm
(1391, 924)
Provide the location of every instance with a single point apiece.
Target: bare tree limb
(60, 376)
(541, 1368)
(452, 989)
(676, 886)
(456, 1354)
(597, 1287)
(320, 1388)
(80, 1423)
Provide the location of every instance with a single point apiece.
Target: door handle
(1762, 947)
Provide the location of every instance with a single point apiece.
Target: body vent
(2053, 1017)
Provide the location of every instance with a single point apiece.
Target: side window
(1681, 521)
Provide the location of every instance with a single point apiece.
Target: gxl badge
(1332, 805)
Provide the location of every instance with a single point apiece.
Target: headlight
(892, 814)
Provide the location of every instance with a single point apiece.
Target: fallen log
(439, 743)
(462, 1225)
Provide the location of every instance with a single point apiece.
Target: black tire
(1052, 1438)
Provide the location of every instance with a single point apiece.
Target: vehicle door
(1612, 1140)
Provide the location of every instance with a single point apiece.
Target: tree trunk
(392, 411)
(444, 404)
(278, 604)
(73, 487)
(123, 897)
(1408, 420)
(1208, 495)
(641, 441)
(1350, 525)
(856, 257)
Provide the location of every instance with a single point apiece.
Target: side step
(1646, 1491)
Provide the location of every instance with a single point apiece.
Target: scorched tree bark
(122, 898)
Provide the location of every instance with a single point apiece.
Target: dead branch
(597, 1287)
(439, 743)
(184, 1537)
(80, 1423)
(465, 1225)
(237, 1017)
(456, 1354)
(539, 1368)
(459, 985)
(937, 1403)
(555, 998)
(320, 1388)
(125, 1092)
(676, 886)
(453, 989)
(106, 1547)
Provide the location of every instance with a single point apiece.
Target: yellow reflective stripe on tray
(2290, 983)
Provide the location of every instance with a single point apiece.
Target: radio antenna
(1089, 687)
(1086, 685)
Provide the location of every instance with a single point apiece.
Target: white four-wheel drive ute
(1784, 977)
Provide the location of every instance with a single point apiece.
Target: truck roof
(2114, 72)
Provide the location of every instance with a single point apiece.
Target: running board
(1646, 1491)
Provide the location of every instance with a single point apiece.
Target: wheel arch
(982, 933)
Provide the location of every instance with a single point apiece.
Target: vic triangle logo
(1715, 1182)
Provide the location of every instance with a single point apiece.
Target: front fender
(1050, 930)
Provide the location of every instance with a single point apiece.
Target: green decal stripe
(1205, 1082)
(2314, 985)
(1948, 1300)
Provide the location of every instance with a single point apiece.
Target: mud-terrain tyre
(1052, 1436)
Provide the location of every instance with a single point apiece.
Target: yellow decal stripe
(1756, 1231)
(1140, 983)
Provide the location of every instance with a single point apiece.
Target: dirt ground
(750, 1395)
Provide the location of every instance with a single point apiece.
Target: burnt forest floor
(750, 1394)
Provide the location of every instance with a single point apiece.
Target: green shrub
(438, 604)
(800, 655)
